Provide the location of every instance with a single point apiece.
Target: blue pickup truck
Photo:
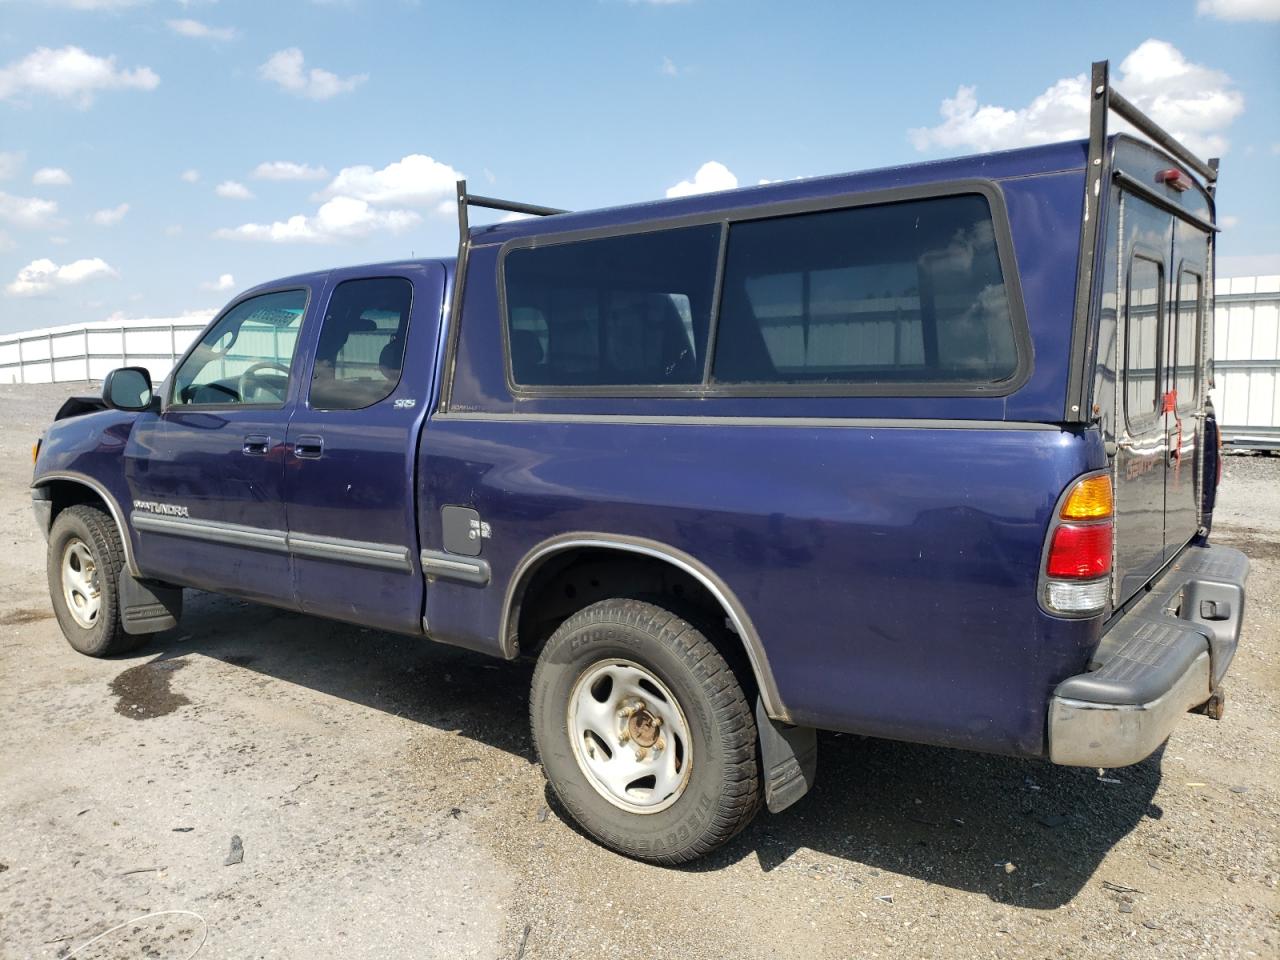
(922, 453)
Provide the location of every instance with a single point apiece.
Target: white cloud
(711, 176)
(70, 73)
(173, 230)
(1227, 221)
(110, 216)
(224, 282)
(51, 177)
(10, 164)
(1195, 103)
(97, 4)
(669, 68)
(201, 31)
(231, 190)
(338, 219)
(190, 176)
(287, 170)
(1239, 9)
(29, 212)
(40, 276)
(286, 69)
(413, 181)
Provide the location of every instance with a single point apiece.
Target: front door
(349, 476)
(206, 474)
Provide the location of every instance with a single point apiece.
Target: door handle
(256, 445)
(308, 448)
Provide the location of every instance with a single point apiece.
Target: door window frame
(172, 379)
(310, 367)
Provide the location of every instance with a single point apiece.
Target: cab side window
(246, 357)
(360, 354)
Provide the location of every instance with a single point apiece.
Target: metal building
(1246, 361)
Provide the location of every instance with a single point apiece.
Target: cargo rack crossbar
(465, 202)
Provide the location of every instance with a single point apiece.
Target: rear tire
(84, 562)
(644, 732)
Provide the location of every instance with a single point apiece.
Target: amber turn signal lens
(1091, 499)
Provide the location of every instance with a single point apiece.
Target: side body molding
(733, 609)
(106, 496)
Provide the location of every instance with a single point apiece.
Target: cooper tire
(682, 678)
(85, 558)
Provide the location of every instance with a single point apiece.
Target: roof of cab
(352, 271)
(1023, 162)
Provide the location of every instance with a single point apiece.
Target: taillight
(1080, 552)
(1077, 565)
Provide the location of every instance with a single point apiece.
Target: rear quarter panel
(890, 572)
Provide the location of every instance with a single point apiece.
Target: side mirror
(128, 388)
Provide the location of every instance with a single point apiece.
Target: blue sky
(134, 133)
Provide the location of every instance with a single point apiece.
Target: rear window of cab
(892, 298)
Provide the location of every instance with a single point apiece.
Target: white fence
(1246, 360)
(1246, 355)
(88, 351)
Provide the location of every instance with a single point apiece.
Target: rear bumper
(1165, 656)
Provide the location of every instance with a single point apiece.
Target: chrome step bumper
(1165, 656)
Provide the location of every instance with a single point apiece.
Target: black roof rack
(466, 201)
(1104, 98)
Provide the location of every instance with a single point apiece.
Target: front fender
(88, 452)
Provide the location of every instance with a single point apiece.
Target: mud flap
(147, 606)
(790, 758)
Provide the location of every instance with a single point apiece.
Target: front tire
(84, 562)
(644, 732)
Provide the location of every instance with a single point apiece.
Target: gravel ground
(388, 804)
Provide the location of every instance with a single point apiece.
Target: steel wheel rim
(630, 736)
(80, 585)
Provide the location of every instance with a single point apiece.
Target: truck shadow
(1022, 832)
(878, 809)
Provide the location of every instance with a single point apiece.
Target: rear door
(352, 443)
(1183, 397)
(1142, 447)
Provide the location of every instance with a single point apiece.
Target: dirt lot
(389, 805)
